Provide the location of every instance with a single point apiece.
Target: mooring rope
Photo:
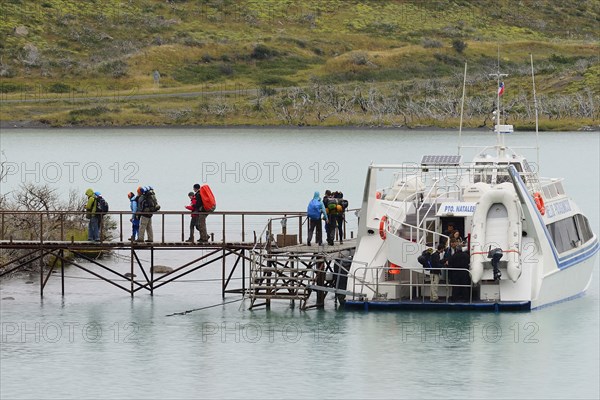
(204, 308)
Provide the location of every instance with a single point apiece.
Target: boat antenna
(462, 107)
(535, 104)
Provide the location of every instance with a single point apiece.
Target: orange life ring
(539, 202)
(383, 227)
(394, 269)
(378, 195)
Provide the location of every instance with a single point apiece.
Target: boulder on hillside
(21, 31)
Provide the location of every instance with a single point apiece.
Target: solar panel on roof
(441, 160)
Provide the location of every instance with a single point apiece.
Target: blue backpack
(314, 209)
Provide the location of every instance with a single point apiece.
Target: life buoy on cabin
(383, 227)
(539, 202)
(378, 195)
(394, 269)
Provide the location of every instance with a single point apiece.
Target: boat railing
(416, 284)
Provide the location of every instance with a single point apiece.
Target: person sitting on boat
(315, 210)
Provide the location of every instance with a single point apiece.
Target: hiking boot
(308, 243)
(190, 240)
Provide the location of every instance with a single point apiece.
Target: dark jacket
(436, 263)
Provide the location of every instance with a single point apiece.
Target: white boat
(530, 245)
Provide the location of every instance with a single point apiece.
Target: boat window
(559, 188)
(585, 232)
(564, 234)
(546, 192)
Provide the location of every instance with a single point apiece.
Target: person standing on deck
(201, 215)
(194, 220)
(90, 213)
(340, 216)
(435, 272)
(145, 216)
(315, 211)
(330, 203)
(448, 253)
(135, 219)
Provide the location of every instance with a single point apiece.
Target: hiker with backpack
(314, 211)
(331, 205)
(92, 215)
(147, 204)
(205, 203)
(101, 210)
(342, 205)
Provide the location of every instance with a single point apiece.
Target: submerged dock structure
(263, 250)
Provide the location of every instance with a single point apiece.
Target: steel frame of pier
(212, 253)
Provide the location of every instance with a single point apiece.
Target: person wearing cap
(135, 219)
(194, 219)
(201, 215)
(145, 217)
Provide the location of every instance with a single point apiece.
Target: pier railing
(115, 226)
(168, 226)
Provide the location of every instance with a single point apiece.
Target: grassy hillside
(366, 53)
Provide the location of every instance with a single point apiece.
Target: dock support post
(62, 272)
(320, 271)
(41, 273)
(152, 270)
(243, 271)
(131, 277)
(223, 274)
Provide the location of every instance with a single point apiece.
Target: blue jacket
(317, 196)
(133, 205)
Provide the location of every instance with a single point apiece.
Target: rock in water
(161, 269)
(128, 275)
(8, 298)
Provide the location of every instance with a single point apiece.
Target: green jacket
(90, 207)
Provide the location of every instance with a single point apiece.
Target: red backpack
(208, 198)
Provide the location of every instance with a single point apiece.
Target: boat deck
(428, 305)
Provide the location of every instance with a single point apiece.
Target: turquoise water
(97, 342)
